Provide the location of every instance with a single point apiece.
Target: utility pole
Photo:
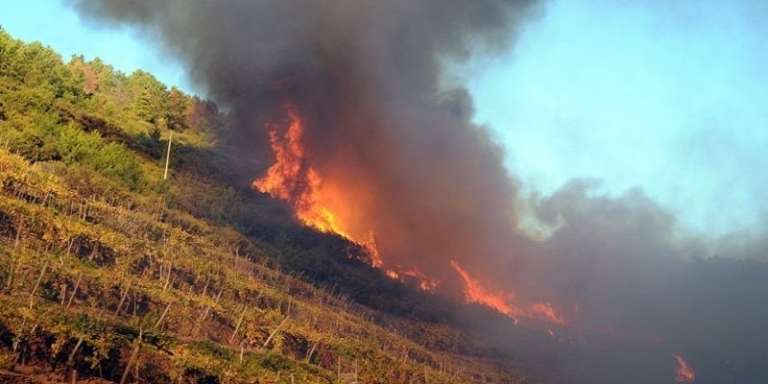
(168, 155)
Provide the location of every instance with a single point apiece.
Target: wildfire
(684, 373)
(292, 179)
(504, 302)
(424, 282)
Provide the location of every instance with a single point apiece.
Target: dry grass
(174, 288)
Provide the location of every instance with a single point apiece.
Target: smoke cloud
(403, 160)
(645, 290)
(366, 78)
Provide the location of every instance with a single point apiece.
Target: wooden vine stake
(37, 285)
(168, 155)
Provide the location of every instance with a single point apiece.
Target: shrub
(112, 159)
(116, 161)
(31, 136)
(74, 145)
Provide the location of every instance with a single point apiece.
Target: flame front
(504, 302)
(684, 373)
(291, 178)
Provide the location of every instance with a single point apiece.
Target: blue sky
(670, 96)
(55, 24)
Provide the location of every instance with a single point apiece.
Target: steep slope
(110, 272)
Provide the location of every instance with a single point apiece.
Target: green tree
(150, 97)
(74, 145)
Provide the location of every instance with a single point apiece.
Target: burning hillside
(504, 302)
(292, 179)
(317, 204)
(355, 130)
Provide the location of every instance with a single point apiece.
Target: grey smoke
(366, 77)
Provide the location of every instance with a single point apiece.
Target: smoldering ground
(398, 144)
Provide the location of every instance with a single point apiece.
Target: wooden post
(311, 351)
(168, 155)
(37, 285)
(73, 354)
(122, 298)
(132, 359)
(63, 288)
(168, 280)
(204, 314)
(18, 234)
(15, 256)
(237, 327)
(205, 288)
(74, 290)
(274, 332)
(162, 317)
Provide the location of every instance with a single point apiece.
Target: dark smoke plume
(367, 77)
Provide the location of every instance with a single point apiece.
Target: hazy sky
(670, 96)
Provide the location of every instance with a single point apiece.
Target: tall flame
(291, 178)
(504, 302)
(684, 373)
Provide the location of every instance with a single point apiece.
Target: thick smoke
(366, 77)
(383, 129)
(645, 289)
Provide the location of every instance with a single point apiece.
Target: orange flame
(424, 282)
(684, 373)
(504, 302)
(292, 179)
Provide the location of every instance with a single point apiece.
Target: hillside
(111, 273)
